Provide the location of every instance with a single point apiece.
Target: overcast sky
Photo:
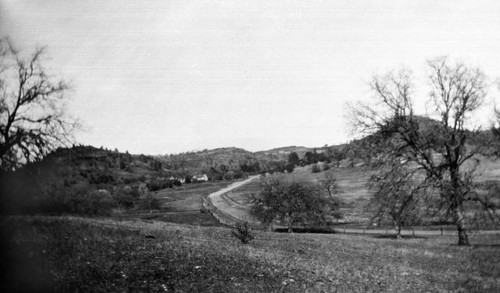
(160, 77)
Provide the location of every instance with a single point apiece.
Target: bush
(123, 200)
(89, 203)
(242, 232)
(315, 168)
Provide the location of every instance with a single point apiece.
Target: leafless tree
(329, 184)
(397, 194)
(444, 149)
(33, 117)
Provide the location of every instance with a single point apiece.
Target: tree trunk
(463, 239)
(398, 230)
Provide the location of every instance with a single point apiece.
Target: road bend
(229, 208)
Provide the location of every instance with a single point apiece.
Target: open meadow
(68, 254)
(181, 204)
(353, 189)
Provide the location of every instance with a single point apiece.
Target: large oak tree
(33, 116)
(445, 148)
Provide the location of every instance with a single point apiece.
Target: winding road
(226, 207)
(235, 212)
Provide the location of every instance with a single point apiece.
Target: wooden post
(441, 231)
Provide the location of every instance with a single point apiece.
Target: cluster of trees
(310, 157)
(430, 164)
(296, 201)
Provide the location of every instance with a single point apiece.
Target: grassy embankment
(63, 254)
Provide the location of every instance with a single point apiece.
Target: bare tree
(397, 193)
(33, 118)
(329, 184)
(444, 149)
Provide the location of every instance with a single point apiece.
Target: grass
(354, 193)
(181, 204)
(351, 181)
(66, 254)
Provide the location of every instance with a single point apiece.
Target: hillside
(78, 172)
(283, 152)
(68, 254)
(223, 159)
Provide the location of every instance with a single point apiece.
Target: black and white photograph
(249, 146)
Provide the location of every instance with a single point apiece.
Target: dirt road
(227, 207)
(235, 212)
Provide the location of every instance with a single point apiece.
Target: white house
(199, 178)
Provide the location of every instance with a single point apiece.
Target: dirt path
(229, 207)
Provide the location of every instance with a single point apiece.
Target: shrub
(242, 232)
(315, 168)
(89, 203)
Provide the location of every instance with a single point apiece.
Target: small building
(200, 178)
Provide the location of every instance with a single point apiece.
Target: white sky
(160, 77)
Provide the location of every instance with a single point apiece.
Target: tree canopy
(291, 201)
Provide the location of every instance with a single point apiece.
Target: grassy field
(182, 204)
(351, 181)
(67, 254)
(353, 190)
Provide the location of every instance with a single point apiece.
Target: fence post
(441, 231)
(344, 229)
